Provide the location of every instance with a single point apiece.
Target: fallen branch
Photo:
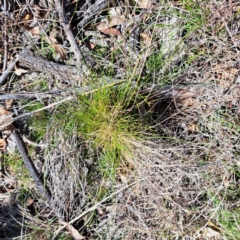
(59, 70)
(38, 179)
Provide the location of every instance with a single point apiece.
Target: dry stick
(64, 72)
(95, 207)
(180, 91)
(5, 74)
(44, 108)
(29, 142)
(5, 48)
(97, 7)
(5, 37)
(31, 168)
(67, 28)
(8, 96)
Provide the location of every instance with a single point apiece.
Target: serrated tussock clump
(107, 121)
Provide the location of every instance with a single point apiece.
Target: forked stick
(68, 30)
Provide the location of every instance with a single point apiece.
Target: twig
(5, 74)
(94, 207)
(8, 96)
(31, 168)
(229, 32)
(44, 108)
(5, 6)
(67, 28)
(29, 142)
(169, 92)
(97, 7)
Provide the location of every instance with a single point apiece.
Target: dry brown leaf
(73, 231)
(193, 127)
(143, 3)
(75, 234)
(27, 17)
(30, 202)
(33, 30)
(111, 31)
(226, 182)
(112, 21)
(6, 119)
(20, 71)
(3, 144)
(102, 26)
(59, 49)
(123, 178)
(8, 103)
(145, 37)
(90, 45)
(116, 20)
(233, 71)
(214, 227)
(3, 111)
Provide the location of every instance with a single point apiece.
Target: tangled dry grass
(181, 179)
